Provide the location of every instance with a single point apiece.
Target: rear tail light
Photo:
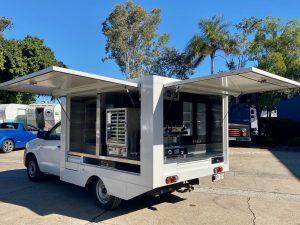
(171, 179)
(218, 169)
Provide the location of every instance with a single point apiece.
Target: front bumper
(239, 139)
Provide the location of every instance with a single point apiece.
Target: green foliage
(214, 36)
(268, 101)
(21, 58)
(239, 57)
(131, 38)
(294, 69)
(277, 131)
(171, 63)
(276, 47)
(273, 63)
(1, 53)
(5, 23)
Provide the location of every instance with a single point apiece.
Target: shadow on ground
(52, 196)
(290, 158)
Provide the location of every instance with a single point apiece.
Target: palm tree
(214, 37)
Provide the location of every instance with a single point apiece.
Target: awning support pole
(61, 107)
(127, 90)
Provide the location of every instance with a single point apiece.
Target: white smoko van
(149, 135)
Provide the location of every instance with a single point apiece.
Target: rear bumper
(190, 170)
(239, 139)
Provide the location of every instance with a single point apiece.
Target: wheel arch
(91, 180)
(7, 138)
(28, 156)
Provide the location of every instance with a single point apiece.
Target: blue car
(15, 135)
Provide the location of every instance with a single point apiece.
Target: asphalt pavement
(262, 187)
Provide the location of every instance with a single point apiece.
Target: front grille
(234, 132)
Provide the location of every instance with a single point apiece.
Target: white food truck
(43, 116)
(149, 135)
(13, 113)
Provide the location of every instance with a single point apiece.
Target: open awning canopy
(244, 81)
(56, 81)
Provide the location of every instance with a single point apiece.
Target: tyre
(33, 171)
(7, 146)
(103, 199)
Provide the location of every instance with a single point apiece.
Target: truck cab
(42, 155)
(243, 123)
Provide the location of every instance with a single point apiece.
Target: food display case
(122, 132)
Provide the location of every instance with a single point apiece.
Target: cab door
(50, 151)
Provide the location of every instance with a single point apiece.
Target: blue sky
(72, 28)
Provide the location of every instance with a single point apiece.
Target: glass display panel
(193, 128)
(188, 117)
(83, 124)
(217, 123)
(201, 121)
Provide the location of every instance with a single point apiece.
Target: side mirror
(42, 134)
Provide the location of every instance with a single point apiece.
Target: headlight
(244, 132)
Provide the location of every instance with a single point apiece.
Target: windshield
(10, 126)
(239, 114)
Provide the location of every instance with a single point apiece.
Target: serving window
(83, 124)
(193, 127)
(105, 130)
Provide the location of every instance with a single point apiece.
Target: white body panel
(47, 154)
(264, 113)
(13, 113)
(253, 118)
(153, 169)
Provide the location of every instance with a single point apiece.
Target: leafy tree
(22, 57)
(172, 63)
(268, 101)
(245, 29)
(214, 36)
(276, 47)
(5, 23)
(131, 38)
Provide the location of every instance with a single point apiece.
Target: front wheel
(7, 146)
(103, 199)
(33, 171)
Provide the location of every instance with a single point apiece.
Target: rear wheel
(33, 171)
(103, 199)
(7, 146)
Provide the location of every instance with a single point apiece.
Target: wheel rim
(8, 146)
(102, 194)
(31, 169)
